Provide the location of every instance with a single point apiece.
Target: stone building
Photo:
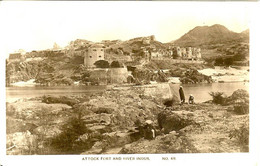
(197, 53)
(189, 53)
(177, 52)
(183, 52)
(94, 53)
(16, 57)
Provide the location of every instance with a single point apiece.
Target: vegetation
(68, 142)
(218, 97)
(116, 64)
(101, 64)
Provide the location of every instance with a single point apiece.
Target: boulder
(161, 92)
(62, 99)
(238, 97)
(169, 120)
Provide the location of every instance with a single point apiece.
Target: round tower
(94, 53)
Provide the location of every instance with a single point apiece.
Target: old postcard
(94, 83)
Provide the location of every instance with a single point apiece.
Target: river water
(14, 93)
(199, 91)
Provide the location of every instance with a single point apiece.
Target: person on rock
(182, 96)
(149, 130)
(191, 99)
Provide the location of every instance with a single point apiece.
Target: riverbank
(199, 91)
(227, 74)
(111, 122)
(176, 76)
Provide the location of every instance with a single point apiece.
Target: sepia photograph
(126, 80)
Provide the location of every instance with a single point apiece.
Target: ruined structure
(92, 54)
(146, 40)
(188, 53)
(15, 57)
(197, 53)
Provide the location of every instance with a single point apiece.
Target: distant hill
(215, 34)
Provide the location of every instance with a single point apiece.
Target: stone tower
(94, 53)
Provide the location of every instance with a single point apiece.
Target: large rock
(240, 101)
(160, 91)
(239, 96)
(169, 120)
(62, 99)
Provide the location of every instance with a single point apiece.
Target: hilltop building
(16, 57)
(189, 53)
(94, 53)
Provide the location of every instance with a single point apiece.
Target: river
(199, 91)
(14, 93)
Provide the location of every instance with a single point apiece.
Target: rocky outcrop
(169, 120)
(114, 122)
(24, 71)
(192, 76)
(161, 92)
(109, 118)
(29, 123)
(169, 143)
(61, 100)
(240, 101)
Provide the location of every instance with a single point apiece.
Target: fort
(92, 54)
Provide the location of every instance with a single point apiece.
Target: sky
(37, 25)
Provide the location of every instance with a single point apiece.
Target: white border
(237, 159)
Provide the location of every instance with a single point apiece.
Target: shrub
(115, 64)
(219, 61)
(101, 64)
(218, 97)
(68, 142)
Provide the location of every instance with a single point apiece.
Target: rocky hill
(214, 34)
(134, 45)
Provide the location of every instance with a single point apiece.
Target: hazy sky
(37, 25)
